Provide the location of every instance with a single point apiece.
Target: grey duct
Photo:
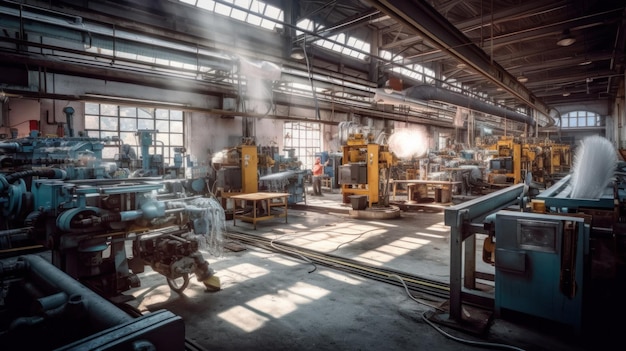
(431, 92)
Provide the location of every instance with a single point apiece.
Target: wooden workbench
(411, 184)
(269, 199)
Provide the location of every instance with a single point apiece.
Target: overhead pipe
(432, 92)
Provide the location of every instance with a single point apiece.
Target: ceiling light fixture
(566, 93)
(522, 78)
(566, 39)
(585, 62)
(297, 53)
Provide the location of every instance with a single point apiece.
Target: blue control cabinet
(539, 262)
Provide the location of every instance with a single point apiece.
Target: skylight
(339, 43)
(253, 12)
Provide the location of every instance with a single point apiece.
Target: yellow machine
(363, 168)
(544, 159)
(237, 172)
(505, 167)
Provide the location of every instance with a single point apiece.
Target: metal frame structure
(465, 220)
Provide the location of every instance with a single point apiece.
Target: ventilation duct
(431, 92)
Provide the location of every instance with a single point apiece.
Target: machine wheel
(179, 284)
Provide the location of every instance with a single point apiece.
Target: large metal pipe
(100, 313)
(9, 146)
(432, 92)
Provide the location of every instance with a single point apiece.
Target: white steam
(408, 142)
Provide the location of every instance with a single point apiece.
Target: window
(106, 120)
(444, 139)
(254, 12)
(305, 139)
(580, 119)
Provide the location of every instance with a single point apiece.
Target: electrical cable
(406, 288)
(432, 287)
(470, 342)
(349, 241)
(308, 67)
(293, 252)
(455, 338)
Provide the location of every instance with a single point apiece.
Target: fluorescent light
(522, 78)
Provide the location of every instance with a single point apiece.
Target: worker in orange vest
(318, 173)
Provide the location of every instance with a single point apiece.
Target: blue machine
(539, 264)
(57, 195)
(551, 264)
(287, 176)
(79, 221)
(40, 151)
(291, 182)
(556, 258)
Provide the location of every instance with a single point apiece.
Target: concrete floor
(273, 300)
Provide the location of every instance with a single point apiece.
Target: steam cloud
(409, 142)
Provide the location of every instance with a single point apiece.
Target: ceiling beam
(422, 18)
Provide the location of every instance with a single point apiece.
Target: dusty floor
(276, 300)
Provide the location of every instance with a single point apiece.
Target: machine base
(474, 320)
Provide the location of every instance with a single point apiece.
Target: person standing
(318, 173)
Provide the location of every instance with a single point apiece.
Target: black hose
(51, 173)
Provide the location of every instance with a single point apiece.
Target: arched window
(581, 119)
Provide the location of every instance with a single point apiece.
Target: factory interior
(312, 175)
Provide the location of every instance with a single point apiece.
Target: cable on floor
(470, 342)
(351, 240)
(294, 253)
(461, 340)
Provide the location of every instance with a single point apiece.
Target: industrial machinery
(286, 162)
(87, 224)
(80, 157)
(58, 194)
(42, 308)
(505, 167)
(556, 256)
(365, 169)
(98, 229)
(152, 162)
(286, 176)
(546, 160)
(237, 170)
(332, 162)
(510, 159)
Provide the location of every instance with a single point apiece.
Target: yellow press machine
(505, 166)
(545, 159)
(548, 161)
(238, 172)
(362, 165)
